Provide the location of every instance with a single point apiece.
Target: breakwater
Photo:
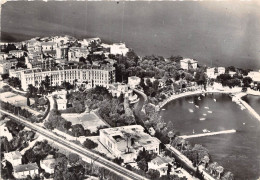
(208, 134)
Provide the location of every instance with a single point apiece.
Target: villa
(5, 65)
(116, 89)
(188, 63)
(133, 81)
(23, 170)
(17, 53)
(5, 132)
(48, 164)
(161, 164)
(75, 53)
(221, 70)
(211, 73)
(3, 56)
(127, 141)
(255, 75)
(118, 48)
(48, 46)
(61, 99)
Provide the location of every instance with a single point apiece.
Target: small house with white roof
(48, 164)
(14, 157)
(161, 164)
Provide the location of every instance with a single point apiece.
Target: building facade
(188, 63)
(211, 73)
(133, 81)
(17, 53)
(75, 53)
(6, 65)
(92, 76)
(118, 48)
(161, 163)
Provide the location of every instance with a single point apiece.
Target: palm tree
(228, 176)
(171, 134)
(220, 170)
(212, 167)
(205, 160)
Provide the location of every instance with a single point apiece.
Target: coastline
(190, 93)
(236, 92)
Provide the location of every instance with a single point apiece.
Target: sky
(214, 33)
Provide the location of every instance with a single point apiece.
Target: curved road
(126, 174)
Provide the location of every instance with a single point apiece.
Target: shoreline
(237, 94)
(190, 93)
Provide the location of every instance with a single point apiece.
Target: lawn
(88, 120)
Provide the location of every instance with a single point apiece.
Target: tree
(73, 158)
(247, 81)
(154, 174)
(77, 130)
(169, 169)
(28, 101)
(170, 126)
(143, 165)
(228, 176)
(90, 144)
(118, 160)
(128, 119)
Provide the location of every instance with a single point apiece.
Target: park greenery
(20, 139)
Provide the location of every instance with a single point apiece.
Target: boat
(193, 132)
(196, 106)
(205, 131)
(199, 98)
(215, 100)
(210, 112)
(244, 123)
(202, 119)
(191, 110)
(206, 107)
(163, 109)
(204, 114)
(190, 102)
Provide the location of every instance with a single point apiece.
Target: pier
(246, 105)
(208, 134)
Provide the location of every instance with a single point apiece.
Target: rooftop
(13, 51)
(25, 167)
(15, 154)
(134, 132)
(162, 160)
(67, 67)
(188, 60)
(48, 43)
(134, 77)
(49, 163)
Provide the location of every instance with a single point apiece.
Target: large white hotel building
(93, 75)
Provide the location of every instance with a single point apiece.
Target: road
(188, 164)
(82, 151)
(141, 102)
